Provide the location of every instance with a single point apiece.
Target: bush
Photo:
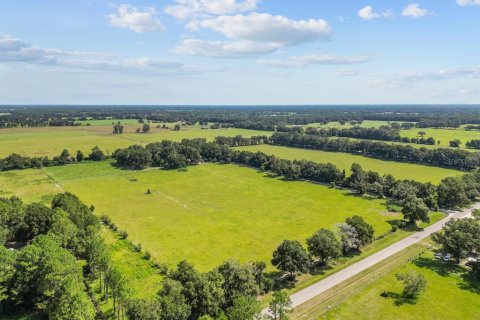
(106, 220)
(138, 247)
(162, 268)
(148, 255)
(123, 234)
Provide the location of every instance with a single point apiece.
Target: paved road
(344, 274)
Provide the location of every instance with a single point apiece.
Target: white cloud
(15, 50)
(224, 49)
(465, 3)
(253, 34)
(367, 13)
(264, 27)
(132, 18)
(306, 60)
(413, 10)
(189, 9)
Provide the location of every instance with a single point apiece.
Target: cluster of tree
(219, 125)
(238, 141)
(117, 128)
(440, 123)
(228, 292)
(472, 127)
(44, 277)
(383, 133)
(459, 237)
(442, 157)
(473, 144)
(165, 154)
(324, 245)
(18, 162)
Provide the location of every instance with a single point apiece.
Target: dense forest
(261, 117)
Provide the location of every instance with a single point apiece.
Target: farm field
(450, 293)
(345, 160)
(442, 135)
(212, 212)
(50, 141)
(31, 185)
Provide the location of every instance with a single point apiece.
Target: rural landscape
(159, 214)
(239, 160)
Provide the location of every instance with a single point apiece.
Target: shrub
(148, 255)
(138, 247)
(106, 220)
(123, 234)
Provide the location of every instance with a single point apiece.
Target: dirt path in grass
(335, 279)
(54, 182)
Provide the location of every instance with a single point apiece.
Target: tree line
(441, 157)
(261, 118)
(18, 162)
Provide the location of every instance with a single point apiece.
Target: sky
(239, 52)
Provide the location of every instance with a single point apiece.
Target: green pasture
(450, 294)
(213, 212)
(50, 141)
(344, 161)
(31, 185)
(444, 135)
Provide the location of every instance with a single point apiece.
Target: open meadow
(442, 135)
(450, 293)
(209, 213)
(344, 161)
(50, 141)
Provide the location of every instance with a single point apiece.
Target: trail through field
(54, 182)
(337, 278)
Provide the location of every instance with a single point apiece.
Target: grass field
(344, 161)
(143, 278)
(50, 141)
(444, 135)
(450, 292)
(212, 212)
(31, 185)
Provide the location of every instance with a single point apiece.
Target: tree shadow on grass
(440, 267)
(364, 196)
(317, 269)
(404, 225)
(398, 298)
(470, 283)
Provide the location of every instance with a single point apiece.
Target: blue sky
(239, 52)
